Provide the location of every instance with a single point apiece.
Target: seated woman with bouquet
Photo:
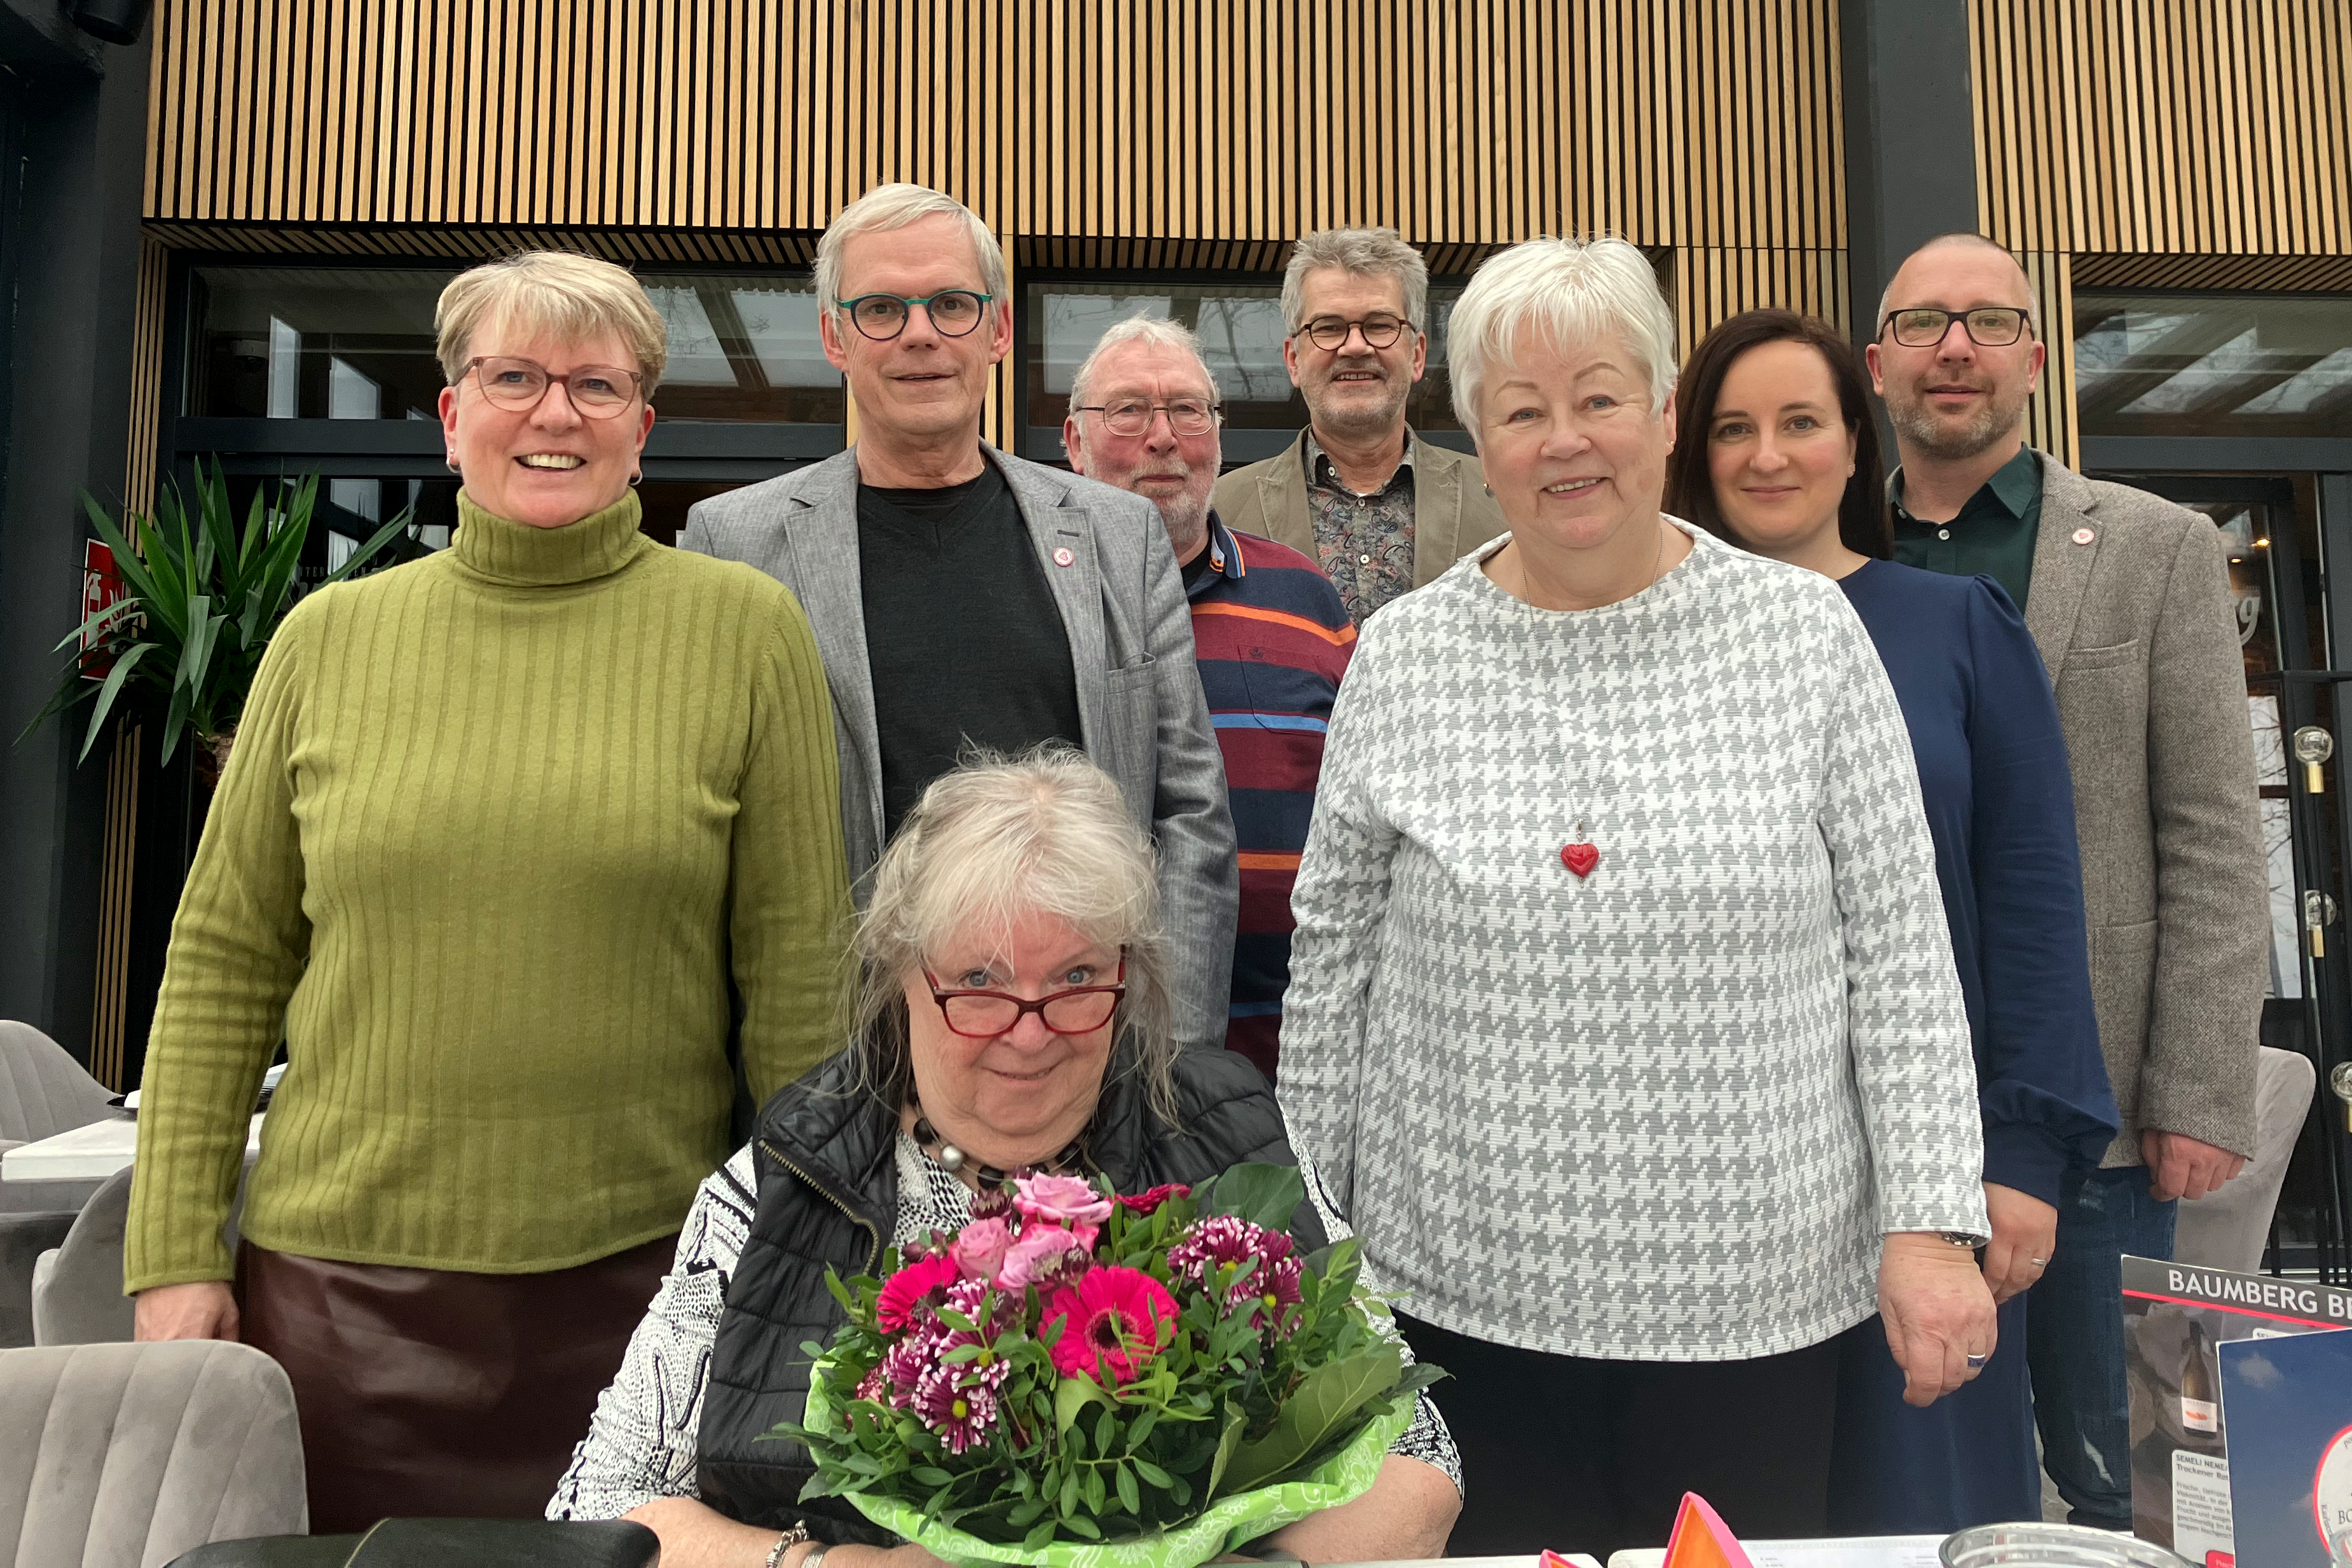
(1010, 1014)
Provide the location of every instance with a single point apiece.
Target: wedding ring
(1978, 1362)
(2039, 1262)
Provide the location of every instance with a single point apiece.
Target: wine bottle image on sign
(2200, 1397)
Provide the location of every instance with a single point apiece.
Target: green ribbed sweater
(497, 827)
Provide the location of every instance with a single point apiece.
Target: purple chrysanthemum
(961, 1410)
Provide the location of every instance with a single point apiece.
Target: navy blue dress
(1999, 800)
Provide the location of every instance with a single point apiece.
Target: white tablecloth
(89, 1153)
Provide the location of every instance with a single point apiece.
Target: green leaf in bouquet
(1070, 1400)
(1236, 1421)
(1129, 1497)
(1106, 1431)
(1152, 1474)
(1039, 1535)
(930, 1476)
(1140, 1429)
(1263, 1195)
(1326, 1400)
(1079, 1524)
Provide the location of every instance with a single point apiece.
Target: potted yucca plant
(204, 595)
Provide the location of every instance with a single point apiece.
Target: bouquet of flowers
(1078, 1377)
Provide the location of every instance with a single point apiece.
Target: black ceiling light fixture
(116, 21)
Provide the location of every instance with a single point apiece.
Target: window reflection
(1241, 332)
(2154, 365)
(275, 342)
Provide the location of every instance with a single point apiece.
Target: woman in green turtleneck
(499, 829)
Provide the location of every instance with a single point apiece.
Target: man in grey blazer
(962, 597)
(1381, 510)
(2127, 596)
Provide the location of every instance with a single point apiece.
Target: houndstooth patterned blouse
(1665, 1112)
(641, 1443)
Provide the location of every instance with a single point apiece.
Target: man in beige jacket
(2127, 596)
(1381, 510)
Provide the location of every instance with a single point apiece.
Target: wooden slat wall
(1089, 134)
(1712, 285)
(146, 375)
(111, 991)
(2049, 418)
(2212, 126)
(2308, 274)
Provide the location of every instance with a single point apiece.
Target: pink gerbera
(1113, 1323)
(921, 1283)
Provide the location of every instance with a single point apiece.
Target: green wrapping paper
(1222, 1527)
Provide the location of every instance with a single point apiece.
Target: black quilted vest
(828, 1196)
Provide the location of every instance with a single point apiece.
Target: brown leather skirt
(424, 1392)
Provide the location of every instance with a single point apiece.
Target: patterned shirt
(642, 1443)
(1365, 540)
(1273, 642)
(1665, 1112)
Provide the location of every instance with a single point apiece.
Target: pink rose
(1062, 1200)
(1044, 1254)
(980, 1248)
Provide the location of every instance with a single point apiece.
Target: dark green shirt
(1992, 537)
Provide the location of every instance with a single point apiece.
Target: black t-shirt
(964, 640)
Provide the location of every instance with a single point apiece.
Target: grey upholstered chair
(128, 1456)
(77, 1296)
(2229, 1228)
(43, 1092)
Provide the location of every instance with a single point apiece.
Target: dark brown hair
(1862, 524)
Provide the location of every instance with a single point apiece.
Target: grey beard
(1917, 426)
(1187, 521)
(1366, 425)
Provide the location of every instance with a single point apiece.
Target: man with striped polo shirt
(1272, 637)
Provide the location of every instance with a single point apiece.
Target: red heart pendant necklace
(1581, 856)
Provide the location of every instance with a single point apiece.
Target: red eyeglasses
(985, 1015)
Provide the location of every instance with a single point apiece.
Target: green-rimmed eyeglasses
(1132, 416)
(1331, 333)
(1988, 326)
(952, 312)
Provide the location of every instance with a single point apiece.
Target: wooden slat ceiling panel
(2215, 126)
(1463, 123)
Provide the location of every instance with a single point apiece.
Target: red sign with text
(102, 585)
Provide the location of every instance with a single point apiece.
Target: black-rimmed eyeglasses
(1988, 326)
(985, 1015)
(1330, 333)
(598, 391)
(1132, 416)
(952, 313)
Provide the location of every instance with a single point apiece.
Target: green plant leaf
(1129, 1498)
(108, 691)
(1227, 1444)
(1072, 1398)
(358, 559)
(1325, 1401)
(1263, 1195)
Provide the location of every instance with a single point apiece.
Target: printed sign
(2288, 1403)
(102, 585)
(2176, 1319)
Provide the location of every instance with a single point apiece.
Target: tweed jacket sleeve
(2211, 886)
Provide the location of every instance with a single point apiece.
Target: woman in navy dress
(1778, 454)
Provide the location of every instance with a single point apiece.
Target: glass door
(2278, 584)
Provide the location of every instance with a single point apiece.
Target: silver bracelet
(786, 1541)
(816, 1555)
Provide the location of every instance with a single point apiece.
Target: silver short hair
(1568, 293)
(1142, 328)
(1366, 252)
(896, 206)
(1960, 237)
(992, 842)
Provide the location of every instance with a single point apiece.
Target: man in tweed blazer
(962, 596)
(2127, 596)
